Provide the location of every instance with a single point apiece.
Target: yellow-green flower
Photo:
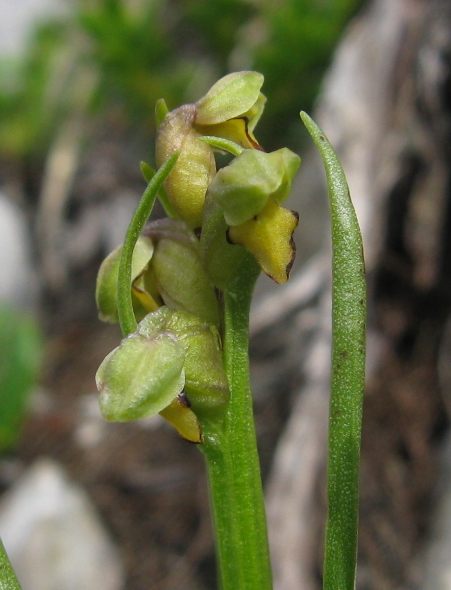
(249, 191)
(166, 270)
(243, 188)
(230, 109)
(171, 365)
(145, 299)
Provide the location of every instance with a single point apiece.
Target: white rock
(18, 18)
(18, 284)
(53, 535)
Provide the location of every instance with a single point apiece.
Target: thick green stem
(232, 458)
(8, 580)
(348, 374)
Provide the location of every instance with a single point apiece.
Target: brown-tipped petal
(269, 237)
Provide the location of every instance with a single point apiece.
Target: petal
(183, 419)
(268, 237)
(256, 111)
(232, 96)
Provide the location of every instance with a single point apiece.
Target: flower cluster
(172, 364)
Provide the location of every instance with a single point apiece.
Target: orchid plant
(181, 290)
(188, 280)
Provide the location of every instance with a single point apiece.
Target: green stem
(8, 580)
(127, 318)
(348, 374)
(232, 457)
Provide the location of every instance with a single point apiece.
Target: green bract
(243, 188)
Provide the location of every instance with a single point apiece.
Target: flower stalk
(233, 464)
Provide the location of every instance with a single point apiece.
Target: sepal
(243, 188)
(141, 376)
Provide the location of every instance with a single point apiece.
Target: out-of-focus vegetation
(20, 358)
(108, 61)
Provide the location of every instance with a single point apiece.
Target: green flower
(171, 365)
(166, 270)
(231, 108)
(145, 299)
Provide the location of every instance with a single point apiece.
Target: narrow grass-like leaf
(148, 172)
(20, 362)
(348, 374)
(8, 580)
(127, 319)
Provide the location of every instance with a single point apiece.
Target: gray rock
(54, 537)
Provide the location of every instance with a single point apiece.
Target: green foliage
(130, 49)
(33, 91)
(217, 25)
(110, 60)
(297, 46)
(20, 359)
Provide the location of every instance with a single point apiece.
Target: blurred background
(89, 505)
